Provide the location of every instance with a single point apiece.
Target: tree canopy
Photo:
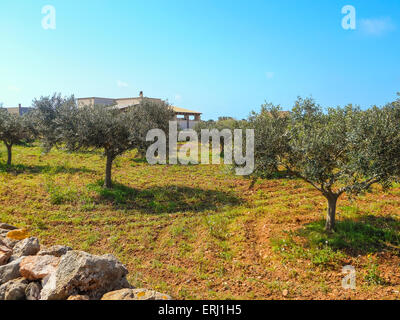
(223, 123)
(51, 117)
(13, 129)
(339, 150)
(107, 128)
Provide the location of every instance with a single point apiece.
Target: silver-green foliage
(100, 127)
(50, 117)
(13, 129)
(339, 150)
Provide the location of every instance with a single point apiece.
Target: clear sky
(220, 57)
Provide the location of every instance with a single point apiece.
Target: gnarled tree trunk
(107, 180)
(331, 214)
(9, 152)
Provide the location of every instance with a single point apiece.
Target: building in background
(187, 119)
(19, 111)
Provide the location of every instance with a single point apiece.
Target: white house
(187, 119)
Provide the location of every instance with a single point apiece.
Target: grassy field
(199, 232)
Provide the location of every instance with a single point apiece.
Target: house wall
(18, 111)
(183, 124)
(95, 101)
(194, 118)
(123, 103)
(85, 102)
(103, 101)
(13, 110)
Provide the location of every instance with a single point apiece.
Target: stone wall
(29, 271)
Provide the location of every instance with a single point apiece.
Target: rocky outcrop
(78, 297)
(29, 272)
(83, 273)
(3, 232)
(6, 226)
(10, 271)
(26, 247)
(5, 254)
(38, 267)
(135, 294)
(13, 290)
(10, 242)
(56, 251)
(17, 234)
(32, 291)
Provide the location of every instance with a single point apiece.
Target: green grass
(201, 232)
(322, 255)
(217, 226)
(370, 235)
(60, 195)
(373, 276)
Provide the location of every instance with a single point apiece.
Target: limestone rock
(18, 234)
(285, 292)
(7, 226)
(5, 254)
(10, 242)
(135, 294)
(13, 290)
(32, 291)
(10, 271)
(26, 247)
(82, 273)
(38, 267)
(49, 284)
(123, 294)
(3, 233)
(57, 251)
(78, 297)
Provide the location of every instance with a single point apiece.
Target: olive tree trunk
(9, 152)
(331, 214)
(108, 180)
(222, 148)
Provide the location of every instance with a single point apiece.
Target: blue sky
(220, 57)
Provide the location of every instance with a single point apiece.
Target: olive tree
(341, 150)
(13, 129)
(221, 124)
(50, 117)
(110, 129)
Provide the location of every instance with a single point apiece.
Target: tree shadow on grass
(139, 160)
(366, 235)
(166, 199)
(37, 169)
(277, 175)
